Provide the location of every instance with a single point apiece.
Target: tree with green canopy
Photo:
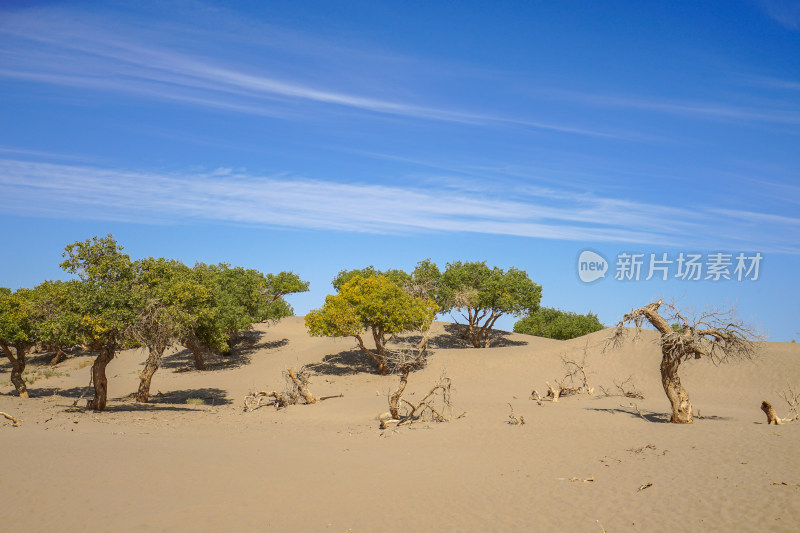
(484, 294)
(400, 277)
(57, 323)
(239, 298)
(171, 300)
(17, 312)
(557, 324)
(376, 304)
(105, 300)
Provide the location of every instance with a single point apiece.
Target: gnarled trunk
(17, 368)
(58, 357)
(380, 357)
(98, 403)
(678, 397)
(394, 399)
(150, 367)
(197, 348)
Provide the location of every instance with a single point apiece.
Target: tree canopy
(484, 294)
(17, 323)
(376, 304)
(557, 324)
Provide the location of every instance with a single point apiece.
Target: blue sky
(319, 136)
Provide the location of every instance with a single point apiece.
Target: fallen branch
(297, 387)
(13, 420)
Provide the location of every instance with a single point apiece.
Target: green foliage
(375, 303)
(170, 300)
(399, 277)
(239, 298)
(57, 320)
(105, 298)
(484, 294)
(557, 324)
(17, 318)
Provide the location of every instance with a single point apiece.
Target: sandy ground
(582, 464)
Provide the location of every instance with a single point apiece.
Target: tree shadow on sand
(210, 396)
(454, 337)
(344, 364)
(74, 392)
(241, 354)
(180, 400)
(651, 416)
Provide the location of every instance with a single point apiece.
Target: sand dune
(173, 465)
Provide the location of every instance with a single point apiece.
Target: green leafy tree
(239, 298)
(17, 314)
(171, 301)
(400, 277)
(105, 300)
(374, 304)
(484, 294)
(557, 324)
(57, 323)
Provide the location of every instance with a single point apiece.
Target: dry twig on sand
(628, 389)
(15, 422)
(793, 399)
(513, 420)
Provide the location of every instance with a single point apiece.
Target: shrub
(557, 324)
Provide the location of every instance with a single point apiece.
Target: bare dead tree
(793, 399)
(790, 397)
(576, 371)
(433, 405)
(716, 335)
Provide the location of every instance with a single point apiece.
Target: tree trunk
(98, 403)
(17, 368)
(302, 387)
(150, 367)
(394, 399)
(196, 347)
(60, 356)
(380, 360)
(678, 397)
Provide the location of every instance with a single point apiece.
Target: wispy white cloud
(68, 191)
(80, 54)
(785, 12)
(692, 109)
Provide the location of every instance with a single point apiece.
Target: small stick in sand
(8, 416)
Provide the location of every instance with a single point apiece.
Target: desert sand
(585, 463)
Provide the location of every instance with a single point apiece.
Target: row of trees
(117, 303)
(393, 301)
